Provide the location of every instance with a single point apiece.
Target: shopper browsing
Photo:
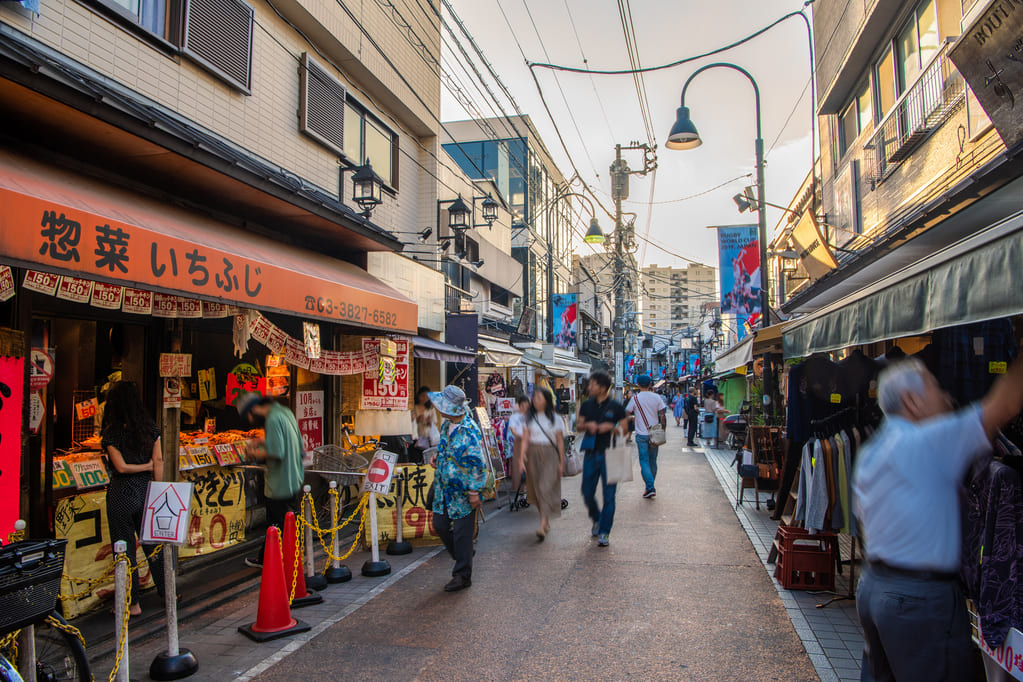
(906, 495)
(281, 450)
(648, 409)
(542, 457)
(460, 476)
(600, 416)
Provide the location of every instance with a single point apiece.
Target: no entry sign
(378, 476)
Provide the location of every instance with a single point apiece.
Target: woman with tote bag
(542, 453)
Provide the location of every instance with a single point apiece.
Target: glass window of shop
(368, 138)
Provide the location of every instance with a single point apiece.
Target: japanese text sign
(217, 510)
(175, 365)
(166, 515)
(1009, 656)
(309, 413)
(6, 283)
(12, 378)
(92, 245)
(89, 473)
(375, 394)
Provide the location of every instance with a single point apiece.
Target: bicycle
(30, 575)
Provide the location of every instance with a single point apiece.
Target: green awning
(976, 279)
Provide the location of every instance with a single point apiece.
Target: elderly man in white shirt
(905, 493)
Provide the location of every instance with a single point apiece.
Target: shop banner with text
(376, 395)
(82, 521)
(217, 510)
(566, 309)
(417, 518)
(12, 382)
(739, 258)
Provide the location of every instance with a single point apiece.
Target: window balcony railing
(923, 108)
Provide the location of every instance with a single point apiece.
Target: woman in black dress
(132, 443)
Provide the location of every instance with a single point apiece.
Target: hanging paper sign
(226, 454)
(165, 305)
(260, 329)
(62, 477)
(273, 361)
(165, 518)
(40, 369)
(331, 363)
(215, 311)
(107, 296)
(86, 409)
(74, 289)
(189, 308)
(184, 459)
(505, 405)
(6, 283)
(211, 426)
(309, 414)
(276, 340)
(89, 473)
(294, 354)
(207, 385)
(311, 332)
(36, 410)
(239, 383)
(217, 510)
(137, 301)
(12, 380)
(380, 396)
(172, 393)
(175, 365)
(42, 282)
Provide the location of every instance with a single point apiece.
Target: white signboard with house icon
(166, 516)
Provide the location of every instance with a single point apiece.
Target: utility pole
(620, 173)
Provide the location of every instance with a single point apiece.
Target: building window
(856, 116)
(321, 105)
(366, 138)
(904, 59)
(218, 35)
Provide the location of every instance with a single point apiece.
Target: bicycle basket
(338, 464)
(30, 573)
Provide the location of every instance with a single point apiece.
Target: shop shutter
(321, 104)
(218, 35)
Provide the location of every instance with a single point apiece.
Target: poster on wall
(12, 378)
(566, 308)
(217, 510)
(739, 258)
(309, 413)
(375, 394)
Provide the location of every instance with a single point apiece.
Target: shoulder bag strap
(544, 431)
(639, 408)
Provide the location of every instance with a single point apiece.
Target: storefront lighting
(367, 189)
(489, 207)
(458, 215)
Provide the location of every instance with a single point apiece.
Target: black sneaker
(457, 583)
(650, 494)
(253, 562)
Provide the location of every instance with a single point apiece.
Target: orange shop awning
(58, 221)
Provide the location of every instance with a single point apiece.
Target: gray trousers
(913, 629)
(456, 534)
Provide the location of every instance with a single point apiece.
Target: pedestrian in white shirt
(649, 409)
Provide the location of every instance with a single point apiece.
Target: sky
(606, 109)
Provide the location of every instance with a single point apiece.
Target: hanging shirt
(817, 495)
(906, 488)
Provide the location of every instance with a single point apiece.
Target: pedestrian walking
(678, 407)
(460, 476)
(427, 435)
(692, 418)
(600, 416)
(630, 422)
(542, 456)
(647, 409)
(906, 495)
(132, 443)
(281, 450)
(713, 407)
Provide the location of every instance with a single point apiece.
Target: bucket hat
(450, 401)
(246, 402)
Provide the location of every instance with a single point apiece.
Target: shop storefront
(108, 285)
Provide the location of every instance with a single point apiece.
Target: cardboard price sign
(86, 409)
(166, 515)
(217, 511)
(416, 516)
(62, 476)
(90, 473)
(226, 454)
(201, 456)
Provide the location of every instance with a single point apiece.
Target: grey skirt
(543, 485)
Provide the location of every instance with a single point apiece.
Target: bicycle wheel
(60, 656)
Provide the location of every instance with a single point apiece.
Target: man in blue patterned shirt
(460, 476)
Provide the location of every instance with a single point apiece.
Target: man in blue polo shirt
(905, 493)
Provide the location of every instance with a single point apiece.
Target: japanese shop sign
(74, 289)
(166, 516)
(375, 394)
(244, 378)
(36, 411)
(86, 409)
(310, 418)
(175, 365)
(35, 230)
(217, 510)
(172, 393)
(1009, 656)
(6, 283)
(416, 516)
(207, 384)
(12, 379)
(226, 454)
(107, 296)
(137, 301)
(62, 478)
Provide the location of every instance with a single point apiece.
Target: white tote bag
(618, 460)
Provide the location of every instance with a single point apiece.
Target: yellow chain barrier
(91, 583)
(123, 639)
(328, 547)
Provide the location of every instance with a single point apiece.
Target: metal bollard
(375, 567)
(398, 546)
(313, 581)
(120, 594)
(175, 663)
(27, 650)
(336, 573)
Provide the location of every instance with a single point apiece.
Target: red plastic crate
(806, 569)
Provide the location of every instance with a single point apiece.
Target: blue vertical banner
(566, 312)
(739, 259)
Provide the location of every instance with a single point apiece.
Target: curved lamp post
(594, 235)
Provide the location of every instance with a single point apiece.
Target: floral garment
(460, 468)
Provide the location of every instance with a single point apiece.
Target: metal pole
(619, 323)
(120, 594)
(335, 514)
(171, 597)
(372, 511)
(27, 651)
(550, 273)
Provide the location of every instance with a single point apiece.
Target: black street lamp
(367, 189)
(489, 207)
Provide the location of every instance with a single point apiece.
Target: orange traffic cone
(273, 616)
(293, 567)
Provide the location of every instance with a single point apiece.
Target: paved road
(679, 595)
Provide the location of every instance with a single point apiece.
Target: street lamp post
(594, 235)
(685, 136)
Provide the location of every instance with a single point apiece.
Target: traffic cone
(273, 615)
(293, 567)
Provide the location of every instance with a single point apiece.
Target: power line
(593, 83)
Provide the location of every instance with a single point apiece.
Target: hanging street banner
(12, 379)
(566, 310)
(377, 395)
(739, 259)
(814, 252)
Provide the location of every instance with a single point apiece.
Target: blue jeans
(647, 460)
(594, 470)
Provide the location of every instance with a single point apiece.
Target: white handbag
(618, 460)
